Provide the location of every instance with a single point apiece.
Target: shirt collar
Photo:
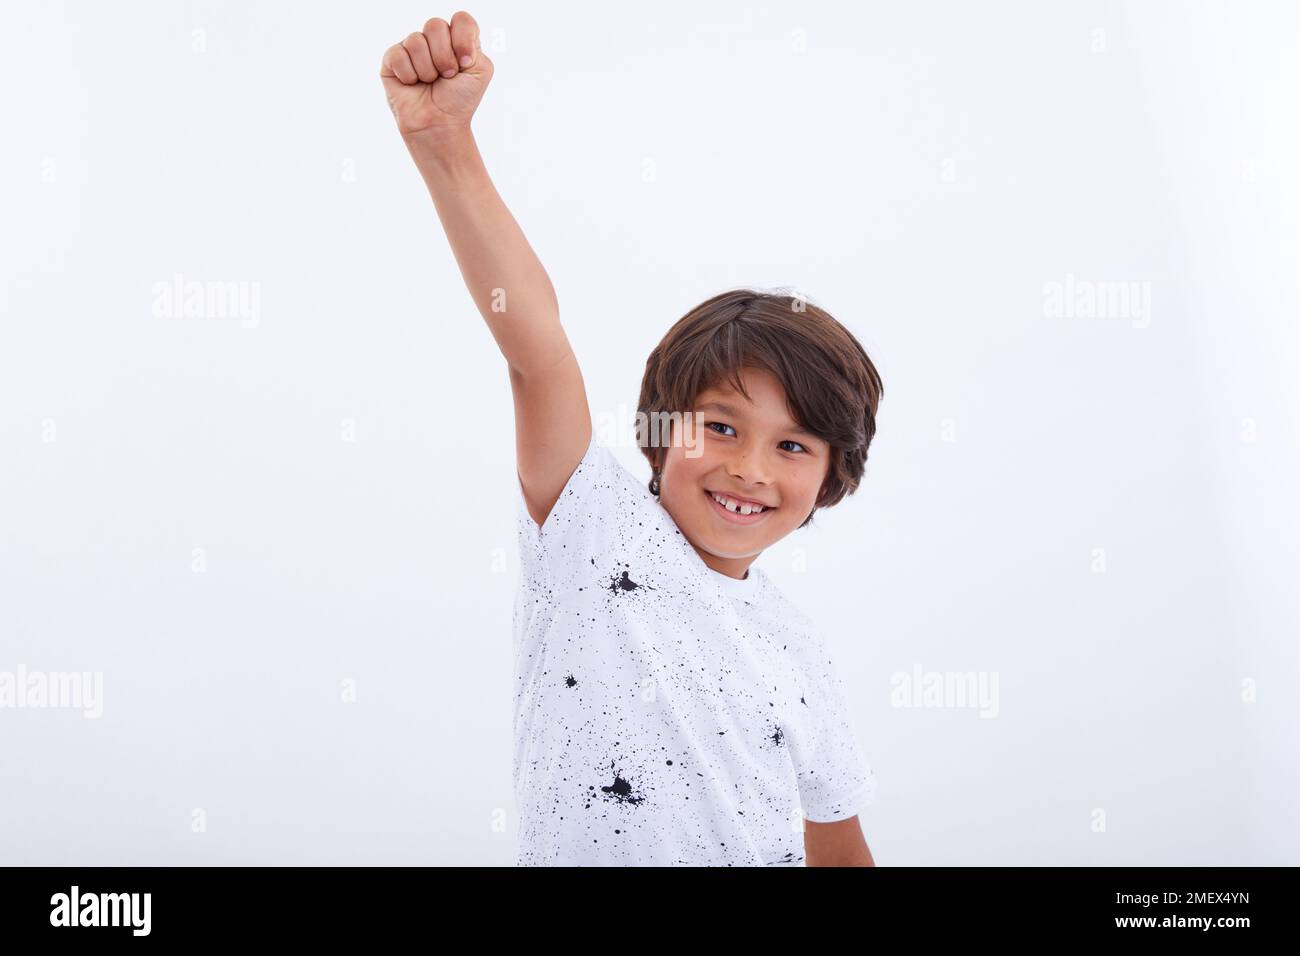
(745, 587)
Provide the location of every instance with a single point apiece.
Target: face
(752, 453)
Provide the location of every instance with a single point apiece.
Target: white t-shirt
(665, 713)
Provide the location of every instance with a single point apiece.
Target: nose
(749, 466)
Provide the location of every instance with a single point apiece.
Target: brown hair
(831, 387)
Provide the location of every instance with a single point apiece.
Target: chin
(722, 547)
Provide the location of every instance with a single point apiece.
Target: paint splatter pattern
(665, 714)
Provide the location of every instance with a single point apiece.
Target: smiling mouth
(736, 511)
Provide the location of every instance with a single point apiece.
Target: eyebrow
(737, 413)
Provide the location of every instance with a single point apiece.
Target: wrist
(438, 141)
(444, 154)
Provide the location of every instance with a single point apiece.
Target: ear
(656, 459)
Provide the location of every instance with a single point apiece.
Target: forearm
(504, 276)
(836, 844)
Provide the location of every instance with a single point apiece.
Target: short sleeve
(586, 520)
(835, 780)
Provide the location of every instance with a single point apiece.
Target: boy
(671, 706)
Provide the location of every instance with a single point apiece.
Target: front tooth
(737, 508)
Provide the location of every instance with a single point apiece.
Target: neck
(732, 567)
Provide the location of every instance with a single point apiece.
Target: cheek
(810, 485)
(684, 471)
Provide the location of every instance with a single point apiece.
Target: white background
(920, 170)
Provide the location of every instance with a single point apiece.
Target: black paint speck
(621, 790)
(623, 582)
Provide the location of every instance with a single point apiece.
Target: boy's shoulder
(604, 521)
(599, 483)
(602, 467)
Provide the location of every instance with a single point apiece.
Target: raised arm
(435, 80)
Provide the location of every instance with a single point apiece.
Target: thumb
(479, 65)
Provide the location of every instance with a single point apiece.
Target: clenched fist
(434, 79)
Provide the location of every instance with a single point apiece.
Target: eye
(799, 448)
